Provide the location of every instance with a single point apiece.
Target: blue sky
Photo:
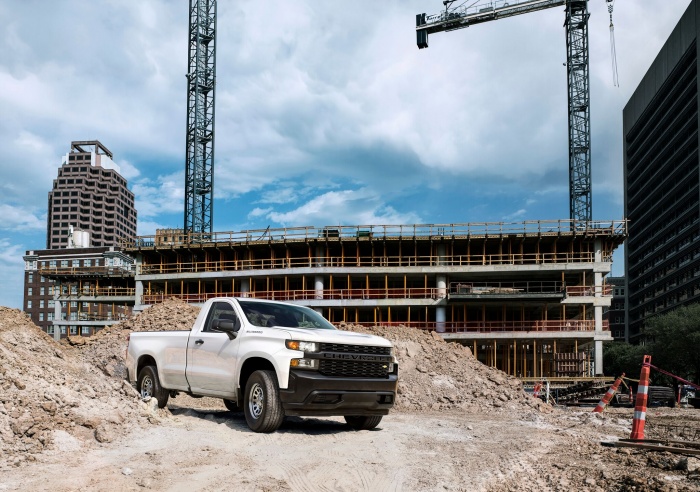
(326, 112)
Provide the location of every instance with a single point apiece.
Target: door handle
(199, 342)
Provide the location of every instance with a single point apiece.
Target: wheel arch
(146, 360)
(251, 365)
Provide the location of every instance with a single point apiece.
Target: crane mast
(576, 24)
(199, 154)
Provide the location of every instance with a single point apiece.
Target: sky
(326, 112)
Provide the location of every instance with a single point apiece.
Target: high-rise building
(662, 177)
(89, 195)
(82, 281)
(616, 312)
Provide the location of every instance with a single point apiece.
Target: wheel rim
(256, 401)
(146, 388)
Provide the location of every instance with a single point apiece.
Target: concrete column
(138, 298)
(598, 311)
(440, 313)
(245, 287)
(598, 357)
(320, 255)
(441, 284)
(56, 313)
(441, 249)
(440, 319)
(318, 279)
(318, 286)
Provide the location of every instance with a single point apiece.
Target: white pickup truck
(270, 359)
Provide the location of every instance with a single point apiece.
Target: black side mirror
(228, 326)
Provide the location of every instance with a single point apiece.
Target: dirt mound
(48, 395)
(106, 350)
(436, 375)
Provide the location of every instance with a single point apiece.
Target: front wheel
(359, 422)
(149, 386)
(261, 403)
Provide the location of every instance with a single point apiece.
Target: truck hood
(336, 336)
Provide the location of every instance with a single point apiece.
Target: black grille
(354, 349)
(351, 368)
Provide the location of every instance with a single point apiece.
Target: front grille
(350, 368)
(354, 349)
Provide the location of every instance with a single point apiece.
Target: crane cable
(613, 52)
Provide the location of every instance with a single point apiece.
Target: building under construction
(527, 298)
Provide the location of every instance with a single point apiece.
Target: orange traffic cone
(640, 408)
(608, 395)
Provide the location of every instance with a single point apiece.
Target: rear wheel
(359, 422)
(261, 404)
(149, 386)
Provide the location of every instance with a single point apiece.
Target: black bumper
(312, 394)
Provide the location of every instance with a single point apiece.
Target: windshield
(272, 314)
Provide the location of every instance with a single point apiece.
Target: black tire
(359, 422)
(232, 406)
(261, 402)
(149, 387)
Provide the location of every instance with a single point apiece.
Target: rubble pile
(65, 394)
(48, 395)
(437, 375)
(107, 349)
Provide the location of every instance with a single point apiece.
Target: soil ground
(198, 445)
(69, 421)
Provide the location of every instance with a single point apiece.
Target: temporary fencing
(608, 395)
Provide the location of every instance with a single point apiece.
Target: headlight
(303, 346)
(304, 363)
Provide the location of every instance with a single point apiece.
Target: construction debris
(436, 375)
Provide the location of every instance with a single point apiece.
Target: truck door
(211, 355)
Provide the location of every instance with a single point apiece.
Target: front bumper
(312, 394)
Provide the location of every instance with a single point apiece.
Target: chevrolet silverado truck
(270, 360)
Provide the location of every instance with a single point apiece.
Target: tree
(675, 344)
(619, 357)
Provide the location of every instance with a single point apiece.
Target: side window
(219, 310)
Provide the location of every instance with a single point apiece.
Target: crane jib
(464, 17)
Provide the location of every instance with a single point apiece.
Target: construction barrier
(640, 407)
(608, 395)
(536, 391)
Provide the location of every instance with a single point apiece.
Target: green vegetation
(673, 341)
(619, 357)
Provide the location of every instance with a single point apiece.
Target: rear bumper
(311, 394)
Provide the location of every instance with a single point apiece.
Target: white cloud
(344, 207)
(163, 194)
(11, 273)
(20, 218)
(518, 214)
(259, 212)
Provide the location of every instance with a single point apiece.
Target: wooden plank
(651, 447)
